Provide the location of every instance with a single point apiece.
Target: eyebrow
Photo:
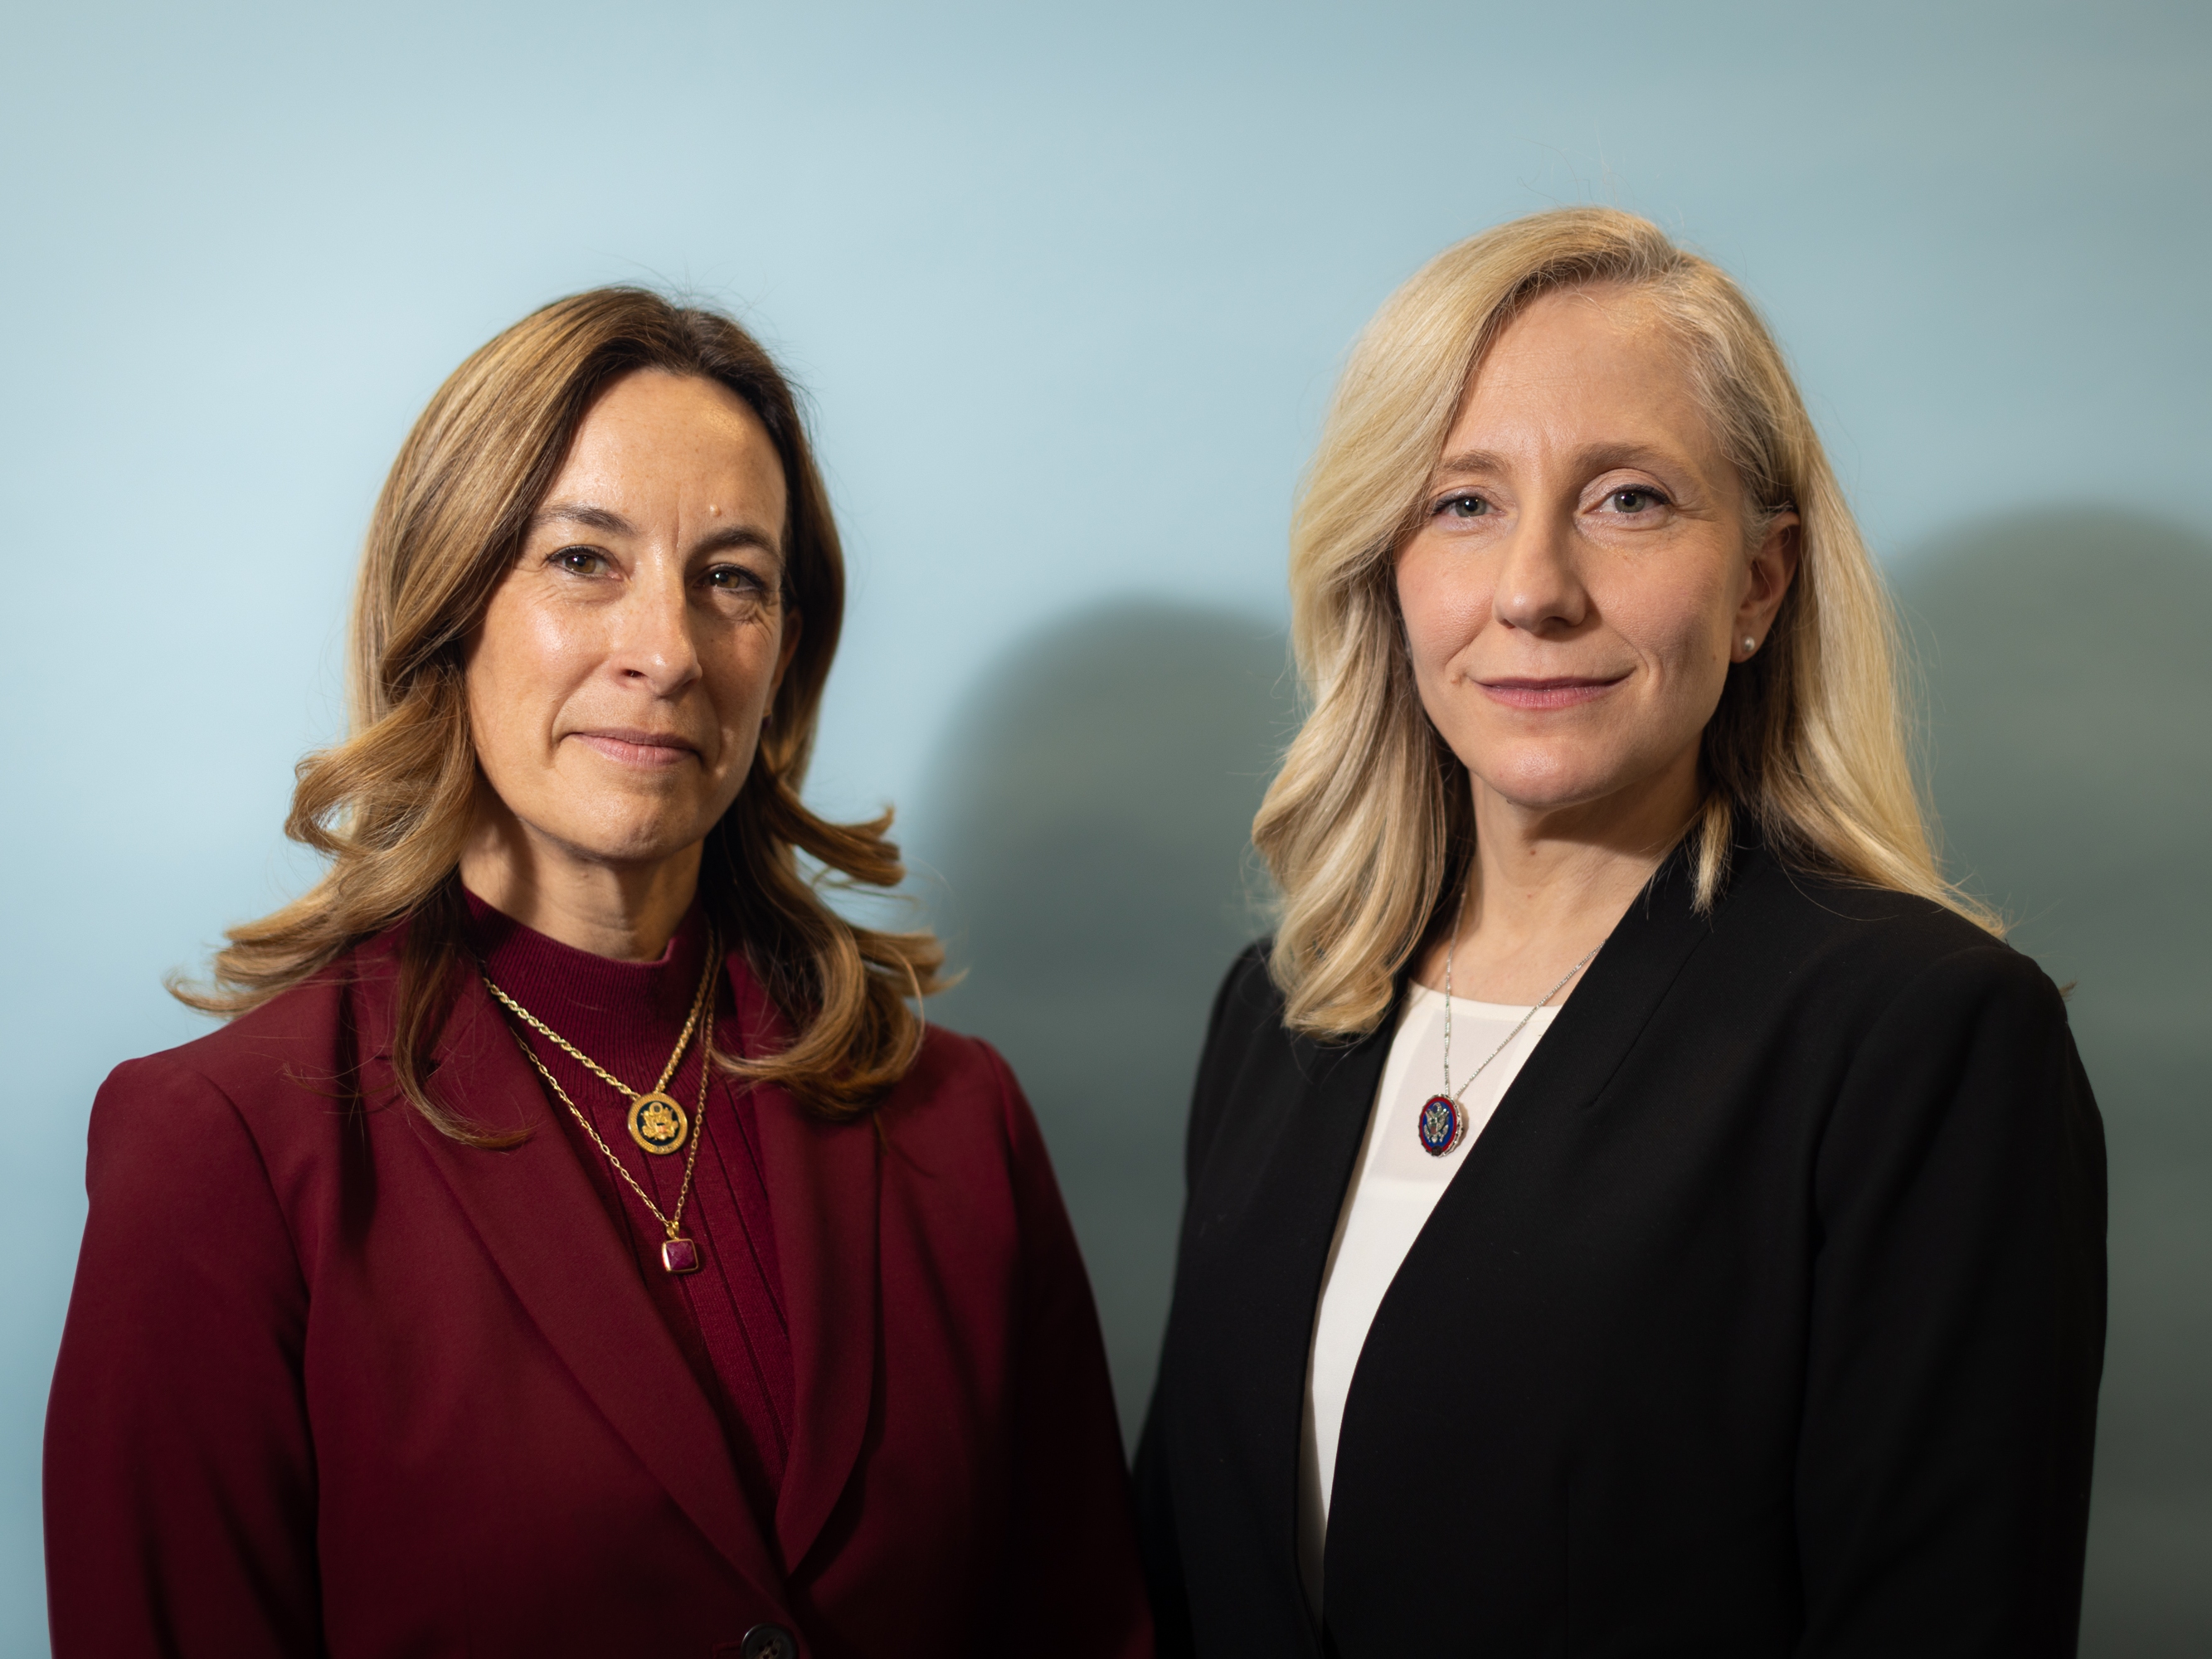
(1598, 458)
(737, 535)
(592, 518)
(585, 514)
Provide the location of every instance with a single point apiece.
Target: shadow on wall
(2070, 696)
(1089, 827)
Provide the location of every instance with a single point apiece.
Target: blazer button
(767, 1642)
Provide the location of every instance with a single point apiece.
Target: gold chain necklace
(655, 1120)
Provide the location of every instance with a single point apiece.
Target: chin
(1547, 780)
(638, 837)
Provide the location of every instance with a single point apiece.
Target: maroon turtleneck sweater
(728, 1317)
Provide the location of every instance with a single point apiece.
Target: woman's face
(618, 682)
(1580, 581)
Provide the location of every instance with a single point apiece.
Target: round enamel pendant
(1443, 1122)
(658, 1124)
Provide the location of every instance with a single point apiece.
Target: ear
(1773, 567)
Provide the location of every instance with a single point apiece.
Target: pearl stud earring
(1749, 643)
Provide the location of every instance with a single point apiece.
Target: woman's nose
(653, 638)
(1538, 589)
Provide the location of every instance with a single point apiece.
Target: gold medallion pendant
(658, 1124)
(655, 1122)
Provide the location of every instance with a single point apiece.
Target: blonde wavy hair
(1370, 821)
(390, 807)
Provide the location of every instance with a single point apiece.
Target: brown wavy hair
(390, 807)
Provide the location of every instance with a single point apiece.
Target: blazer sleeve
(1957, 1327)
(1155, 1520)
(179, 1476)
(1072, 1584)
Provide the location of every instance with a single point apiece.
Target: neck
(627, 910)
(1549, 882)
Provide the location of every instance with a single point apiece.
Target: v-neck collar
(1301, 1186)
(539, 1219)
(545, 1228)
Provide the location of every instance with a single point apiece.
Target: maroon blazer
(332, 1384)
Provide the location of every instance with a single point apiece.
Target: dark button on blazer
(1765, 1318)
(332, 1384)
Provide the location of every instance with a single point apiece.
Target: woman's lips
(630, 748)
(1564, 692)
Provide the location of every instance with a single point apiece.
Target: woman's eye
(580, 561)
(1635, 499)
(1462, 506)
(734, 579)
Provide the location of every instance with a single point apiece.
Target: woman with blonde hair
(1636, 1204)
(574, 1244)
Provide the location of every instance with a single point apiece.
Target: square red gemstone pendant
(679, 1255)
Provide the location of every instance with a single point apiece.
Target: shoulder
(1831, 967)
(966, 1148)
(1796, 925)
(308, 1039)
(1252, 1067)
(959, 1089)
(255, 1045)
(1247, 1013)
(1245, 1023)
(951, 1064)
(1943, 1057)
(195, 1139)
(1248, 997)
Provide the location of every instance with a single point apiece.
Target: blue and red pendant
(1443, 1120)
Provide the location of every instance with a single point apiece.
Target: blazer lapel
(1299, 1194)
(1291, 1221)
(1605, 1014)
(1595, 1030)
(544, 1226)
(822, 1181)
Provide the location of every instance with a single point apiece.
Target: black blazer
(1765, 1318)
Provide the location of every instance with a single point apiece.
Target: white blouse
(1395, 1185)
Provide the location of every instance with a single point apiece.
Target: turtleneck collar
(597, 1003)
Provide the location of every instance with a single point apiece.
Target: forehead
(651, 432)
(1590, 365)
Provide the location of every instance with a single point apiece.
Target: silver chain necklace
(1443, 1119)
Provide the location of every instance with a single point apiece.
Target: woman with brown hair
(574, 1244)
(1636, 1206)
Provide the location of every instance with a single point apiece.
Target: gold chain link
(691, 1023)
(672, 1223)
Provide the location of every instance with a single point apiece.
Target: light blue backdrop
(1068, 285)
